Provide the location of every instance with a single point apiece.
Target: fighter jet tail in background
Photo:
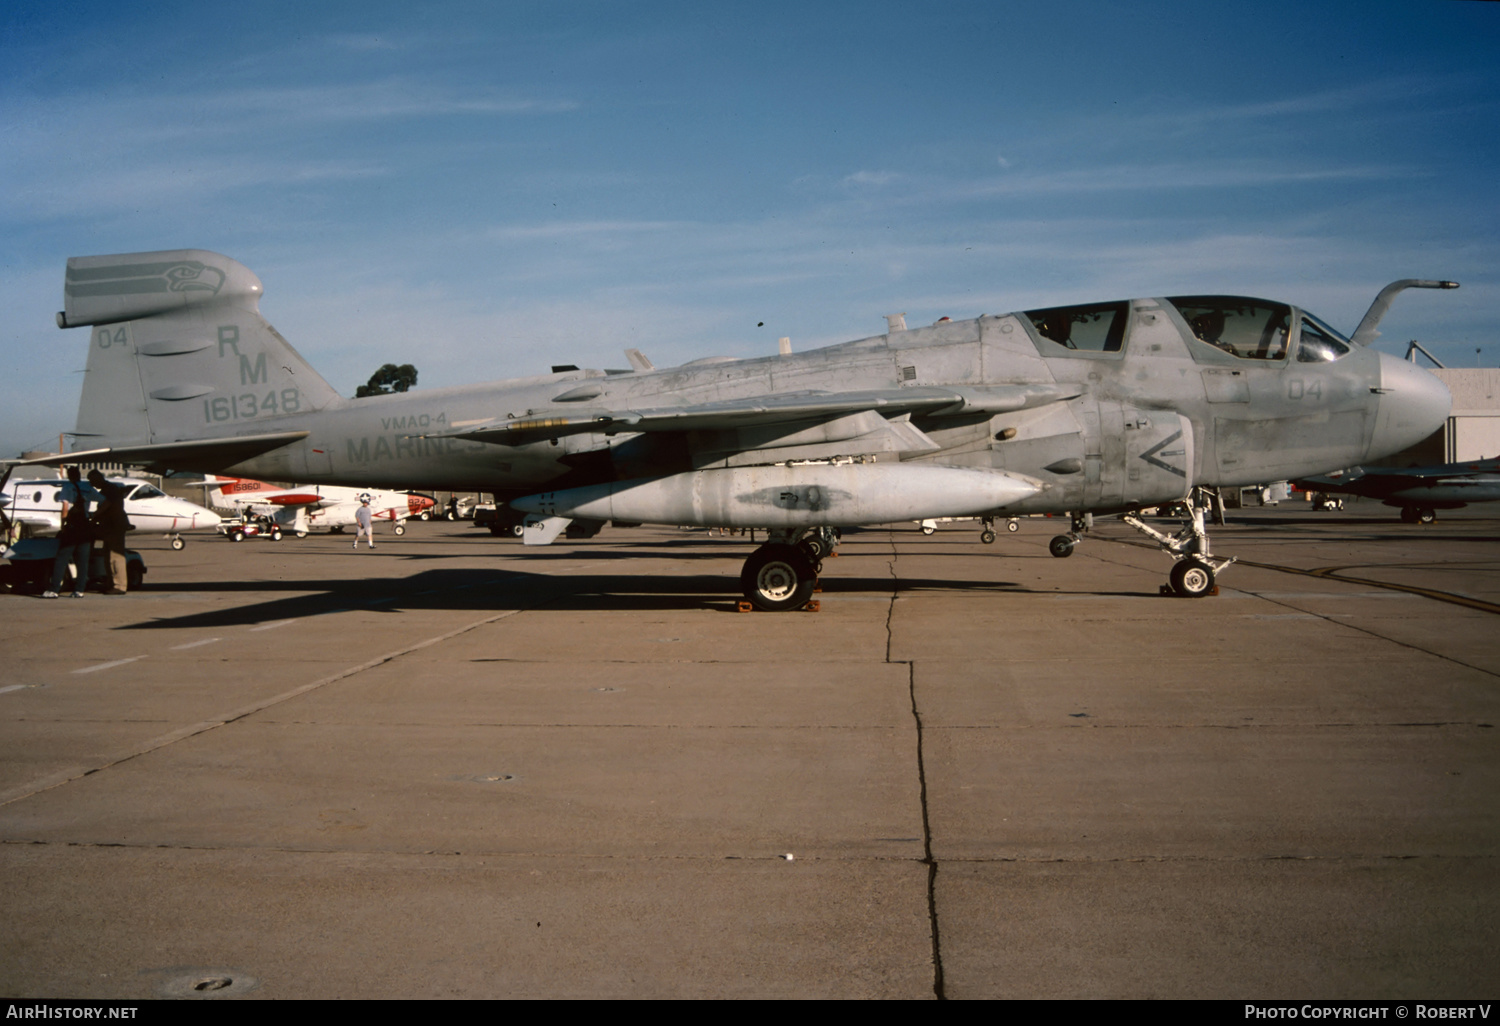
(1101, 407)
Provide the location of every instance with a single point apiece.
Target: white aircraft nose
(1413, 404)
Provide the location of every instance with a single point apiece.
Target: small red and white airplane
(304, 508)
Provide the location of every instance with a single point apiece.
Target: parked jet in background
(38, 505)
(1092, 408)
(1419, 491)
(304, 508)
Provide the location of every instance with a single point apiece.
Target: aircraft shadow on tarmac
(491, 591)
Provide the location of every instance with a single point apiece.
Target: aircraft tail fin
(179, 350)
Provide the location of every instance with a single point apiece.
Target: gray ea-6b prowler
(1094, 408)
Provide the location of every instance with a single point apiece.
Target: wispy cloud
(1206, 175)
(389, 98)
(872, 178)
(365, 43)
(581, 229)
(90, 191)
(915, 189)
(33, 125)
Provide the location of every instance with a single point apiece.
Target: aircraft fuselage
(1163, 412)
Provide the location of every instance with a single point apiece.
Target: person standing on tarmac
(110, 524)
(75, 542)
(364, 523)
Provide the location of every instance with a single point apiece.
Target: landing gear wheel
(987, 536)
(815, 547)
(399, 529)
(1061, 546)
(1192, 579)
(517, 530)
(301, 534)
(777, 578)
(1012, 526)
(424, 516)
(929, 529)
(177, 544)
(1408, 515)
(1426, 516)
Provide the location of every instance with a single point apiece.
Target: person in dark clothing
(75, 542)
(110, 525)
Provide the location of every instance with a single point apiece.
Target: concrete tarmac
(455, 767)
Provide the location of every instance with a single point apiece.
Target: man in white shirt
(364, 522)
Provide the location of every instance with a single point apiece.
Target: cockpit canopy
(1258, 329)
(1098, 327)
(1319, 343)
(1249, 329)
(1252, 329)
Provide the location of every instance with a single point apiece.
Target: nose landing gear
(1195, 568)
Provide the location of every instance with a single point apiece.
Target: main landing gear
(782, 573)
(1195, 567)
(1417, 515)
(1061, 546)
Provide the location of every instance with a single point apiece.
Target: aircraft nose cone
(1413, 404)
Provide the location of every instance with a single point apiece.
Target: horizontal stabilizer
(205, 455)
(130, 286)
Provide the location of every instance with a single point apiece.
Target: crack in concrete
(860, 859)
(916, 715)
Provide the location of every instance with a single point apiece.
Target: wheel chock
(813, 606)
(745, 607)
(1166, 589)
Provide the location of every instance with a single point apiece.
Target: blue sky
(487, 189)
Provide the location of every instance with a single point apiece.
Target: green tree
(389, 378)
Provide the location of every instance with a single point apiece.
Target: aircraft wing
(206, 455)
(766, 410)
(1476, 478)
